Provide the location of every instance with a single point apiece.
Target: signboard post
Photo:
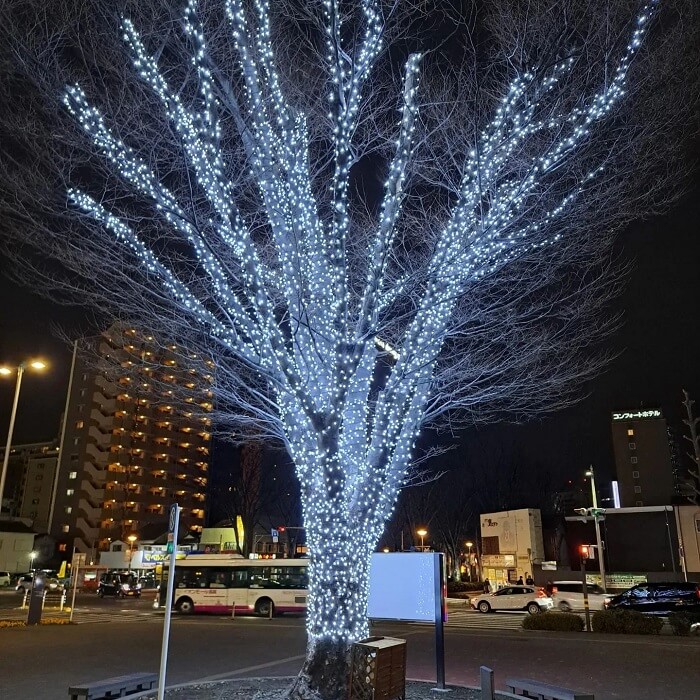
(36, 599)
(77, 562)
(172, 548)
(423, 602)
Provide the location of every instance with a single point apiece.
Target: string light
(298, 317)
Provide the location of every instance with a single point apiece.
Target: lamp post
(469, 559)
(422, 533)
(596, 519)
(6, 372)
(132, 539)
(32, 557)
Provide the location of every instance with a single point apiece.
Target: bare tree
(247, 188)
(693, 480)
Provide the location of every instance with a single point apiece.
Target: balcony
(92, 514)
(95, 496)
(86, 530)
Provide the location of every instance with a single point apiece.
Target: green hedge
(626, 622)
(681, 622)
(554, 621)
(464, 586)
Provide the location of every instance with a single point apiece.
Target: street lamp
(422, 533)
(132, 539)
(469, 559)
(6, 372)
(32, 557)
(596, 519)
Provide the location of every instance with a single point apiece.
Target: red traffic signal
(281, 528)
(586, 551)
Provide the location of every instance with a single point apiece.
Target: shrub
(44, 621)
(626, 622)
(464, 586)
(554, 622)
(681, 622)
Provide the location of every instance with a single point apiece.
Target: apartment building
(29, 487)
(136, 438)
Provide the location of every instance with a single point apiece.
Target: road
(41, 662)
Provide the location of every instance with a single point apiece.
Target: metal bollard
(43, 599)
(486, 683)
(24, 599)
(272, 607)
(233, 610)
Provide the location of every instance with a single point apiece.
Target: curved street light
(422, 533)
(6, 371)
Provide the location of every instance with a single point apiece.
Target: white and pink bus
(216, 583)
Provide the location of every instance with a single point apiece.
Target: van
(568, 596)
(4, 579)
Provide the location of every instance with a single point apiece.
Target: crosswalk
(87, 615)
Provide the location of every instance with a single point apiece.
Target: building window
(633, 460)
(489, 545)
(82, 392)
(39, 477)
(72, 475)
(40, 465)
(633, 445)
(630, 432)
(70, 492)
(66, 528)
(62, 547)
(635, 475)
(639, 504)
(79, 424)
(76, 441)
(69, 509)
(35, 500)
(37, 489)
(637, 489)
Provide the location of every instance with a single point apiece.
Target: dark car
(658, 598)
(120, 585)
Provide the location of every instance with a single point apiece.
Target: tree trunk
(337, 612)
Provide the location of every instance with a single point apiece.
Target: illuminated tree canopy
(370, 234)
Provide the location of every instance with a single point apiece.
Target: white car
(530, 598)
(568, 596)
(5, 579)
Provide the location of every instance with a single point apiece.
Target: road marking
(248, 669)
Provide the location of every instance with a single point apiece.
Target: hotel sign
(636, 415)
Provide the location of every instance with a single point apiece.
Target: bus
(218, 583)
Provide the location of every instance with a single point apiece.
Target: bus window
(219, 578)
(289, 577)
(239, 578)
(192, 578)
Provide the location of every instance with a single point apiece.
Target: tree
(227, 199)
(693, 480)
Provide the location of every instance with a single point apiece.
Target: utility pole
(597, 513)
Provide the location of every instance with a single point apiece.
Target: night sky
(660, 355)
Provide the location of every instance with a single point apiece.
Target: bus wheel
(264, 607)
(184, 606)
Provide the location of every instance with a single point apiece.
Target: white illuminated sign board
(402, 586)
(636, 415)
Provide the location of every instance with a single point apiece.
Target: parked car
(568, 596)
(659, 598)
(120, 585)
(5, 579)
(26, 581)
(530, 598)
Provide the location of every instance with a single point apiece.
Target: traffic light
(586, 551)
(281, 528)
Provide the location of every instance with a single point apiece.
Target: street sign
(549, 566)
(173, 518)
(78, 561)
